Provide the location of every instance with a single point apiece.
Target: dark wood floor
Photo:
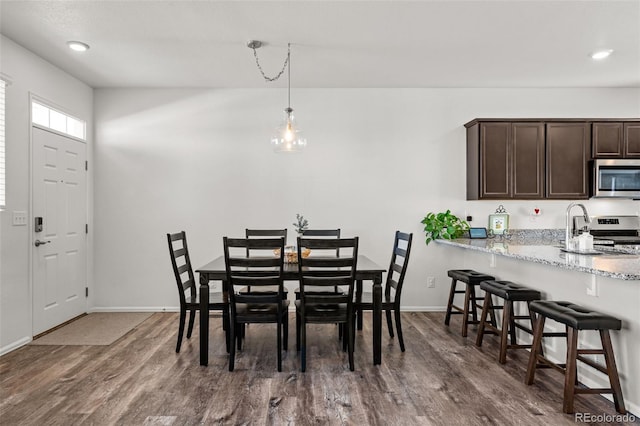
(441, 379)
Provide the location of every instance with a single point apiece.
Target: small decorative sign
(499, 222)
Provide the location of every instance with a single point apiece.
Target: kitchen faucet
(569, 228)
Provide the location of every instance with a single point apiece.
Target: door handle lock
(40, 243)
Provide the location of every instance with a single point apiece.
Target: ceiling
(341, 44)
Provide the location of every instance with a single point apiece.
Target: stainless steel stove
(612, 230)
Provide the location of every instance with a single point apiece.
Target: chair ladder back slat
(392, 284)
(257, 281)
(327, 281)
(322, 262)
(183, 268)
(400, 252)
(175, 237)
(179, 252)
(323, 233)
(263, 233)
(397, 267)
(254, 262)
(326, 243)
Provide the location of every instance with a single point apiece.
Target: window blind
(2, 149)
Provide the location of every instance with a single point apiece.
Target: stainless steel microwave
(618, 178)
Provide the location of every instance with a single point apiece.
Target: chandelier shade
(287, 137)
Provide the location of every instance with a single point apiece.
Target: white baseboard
(15, 345)
(135, 309)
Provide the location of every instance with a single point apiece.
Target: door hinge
(86, 165)
(86, 228)
(86, 292)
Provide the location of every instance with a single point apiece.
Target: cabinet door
(632, 140)
(527, 141)
(494, 160)
(607, 140)
(568, 154)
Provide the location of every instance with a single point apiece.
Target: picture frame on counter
(498, 223)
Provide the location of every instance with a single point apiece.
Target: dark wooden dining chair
(255, 306)
(326, 307)
(321, 233)
(264, 233)
(188, 291)
(393, 285)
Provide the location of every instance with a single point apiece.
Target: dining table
(366, 271)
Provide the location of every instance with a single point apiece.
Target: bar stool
(510, 292)
(472, 279)
(576, 318)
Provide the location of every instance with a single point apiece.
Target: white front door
(59, 257)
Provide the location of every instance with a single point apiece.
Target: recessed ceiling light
(78, 46)
(601, 54)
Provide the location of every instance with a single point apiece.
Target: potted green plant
(443, 225)
(301, 224)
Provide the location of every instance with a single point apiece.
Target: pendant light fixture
(287, 137)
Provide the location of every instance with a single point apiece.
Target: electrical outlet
(214, 287)
(431, 282)
(19, 218)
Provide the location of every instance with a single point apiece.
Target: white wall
(377, 160)
(28, 74)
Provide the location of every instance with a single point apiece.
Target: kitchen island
(609, 283)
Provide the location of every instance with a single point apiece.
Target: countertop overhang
(618, 265)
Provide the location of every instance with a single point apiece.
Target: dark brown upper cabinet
(505, 160)
(607, 139)
(567, 160)
(632, 140)
(616, 140)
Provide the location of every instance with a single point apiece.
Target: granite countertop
(616, 263)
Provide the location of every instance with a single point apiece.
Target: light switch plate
(19, 218)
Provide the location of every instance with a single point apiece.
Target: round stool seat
(575, 316)
(468, 276)
(510, 291)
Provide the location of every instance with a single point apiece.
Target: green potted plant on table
(443, 225)
(301, 224)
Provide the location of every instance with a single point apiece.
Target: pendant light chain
(288, 62)
(284, 66)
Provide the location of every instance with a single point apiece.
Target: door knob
(40, 243)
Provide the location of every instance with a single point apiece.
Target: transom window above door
(45, 116)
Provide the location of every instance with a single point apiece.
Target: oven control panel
(608, 221)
